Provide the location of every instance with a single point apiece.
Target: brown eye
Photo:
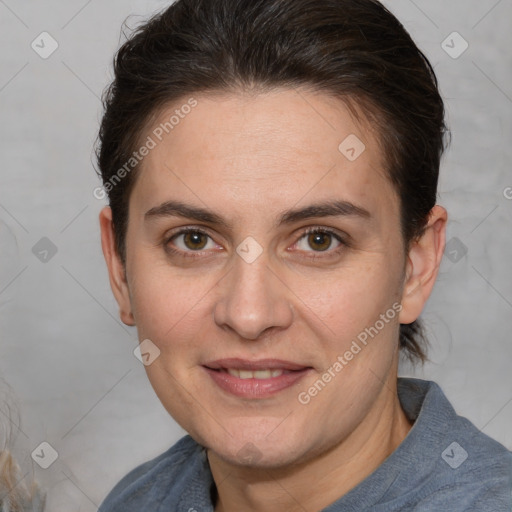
(195, 240)
(319, 241)
(190, 241)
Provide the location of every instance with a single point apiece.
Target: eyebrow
(324, 209)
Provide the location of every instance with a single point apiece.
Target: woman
(273, 233)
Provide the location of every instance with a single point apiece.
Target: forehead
(277, 148)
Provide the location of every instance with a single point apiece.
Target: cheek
(351, 299)
(161, 302)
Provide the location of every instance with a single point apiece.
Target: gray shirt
(444, 464)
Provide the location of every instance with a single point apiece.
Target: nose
(253, 299)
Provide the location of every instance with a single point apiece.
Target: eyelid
(183, 231)
(187, 229)
(342, 239)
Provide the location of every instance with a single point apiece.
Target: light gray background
(63, 350)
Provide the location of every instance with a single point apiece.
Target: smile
(255, 379)
(258, 374)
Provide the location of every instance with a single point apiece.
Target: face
(266, 265)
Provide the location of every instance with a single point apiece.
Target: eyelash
(312, 230)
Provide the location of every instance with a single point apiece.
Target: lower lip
(255, 388)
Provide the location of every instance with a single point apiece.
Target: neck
(334, 472)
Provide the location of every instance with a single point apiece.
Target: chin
(252, 446)
(255, 456)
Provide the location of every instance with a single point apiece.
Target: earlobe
(116, 270)
(422, 265)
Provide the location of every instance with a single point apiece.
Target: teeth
(262, 374)
(258, 374)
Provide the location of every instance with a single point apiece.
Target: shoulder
(477, 469)
(466, 466)
(148, 484)
(476, 477)
(468, 446)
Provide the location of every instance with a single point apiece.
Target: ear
(422, 265)
(115, 267)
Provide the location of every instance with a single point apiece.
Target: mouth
(257, 374)
(255, 379)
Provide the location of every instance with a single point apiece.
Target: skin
(249, 158)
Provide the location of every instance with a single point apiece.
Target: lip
(253, 365)
(255, 388)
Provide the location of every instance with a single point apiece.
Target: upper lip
(254, 365)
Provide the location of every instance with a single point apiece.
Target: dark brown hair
(355, 50)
